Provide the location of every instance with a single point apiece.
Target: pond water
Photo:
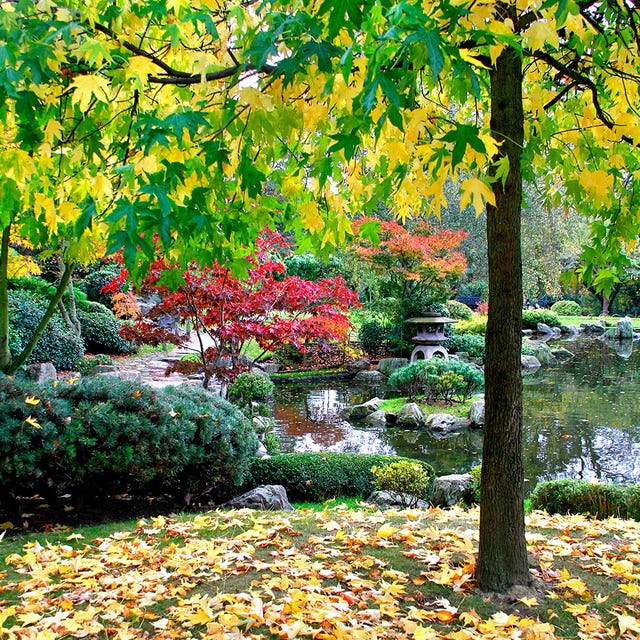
(581, 420)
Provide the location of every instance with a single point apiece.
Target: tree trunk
(5, 354)
(502, 557)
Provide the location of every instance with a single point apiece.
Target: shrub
(319, 476)
(474, 288)
(288, 355)
(86, 363)
(476, 474)
(459, 310)
(477, 325)
(471, 343)
(93, 283)
(101, 330)
(578, 496)
(305, 266)
(438, 379)
(250, 387)
(371, 335)
(105, 434)
(531, 318)
(58, 344)
(566, 308)
(408, 479)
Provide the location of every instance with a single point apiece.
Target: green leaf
(173, 279)
(463, 135)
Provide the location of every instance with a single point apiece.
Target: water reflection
(581, 420)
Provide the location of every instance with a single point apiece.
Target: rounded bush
(304, 265)
(101, 330)
(477, 325)
(531, 318)
(459, 310)
(92, 284)
(371, 335)
(250, 387)
(566, 308)
(317, 477)
(471, 343)
(58, 344)
(408, 479)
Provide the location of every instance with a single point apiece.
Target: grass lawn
(609, 321)
(327, 574)
(460, 409)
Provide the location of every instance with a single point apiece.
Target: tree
(267, 307)
(340, 105)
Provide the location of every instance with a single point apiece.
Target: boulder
(388, 365)
(476, 414)
(359, 365)
(369, 376)
(445, 422)
(395, 499)
(262, 451)
(449, 490)
(569, 330)
(361, 411)
(267, 367)
(541, 351)
(130, 376)
(624, 328)
(561, 354)
(611, 333)
(376, 419)
(529, 363)
(545, 329)
(410, 416)
(271, 497)
(42, 371)
(103, 368)
(597, 328)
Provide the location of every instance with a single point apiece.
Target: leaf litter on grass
(332, 574)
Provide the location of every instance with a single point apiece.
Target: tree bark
(502, 557)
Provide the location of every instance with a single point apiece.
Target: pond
(581, 420)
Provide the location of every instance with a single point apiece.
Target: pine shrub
(101, 330)
(471, 343)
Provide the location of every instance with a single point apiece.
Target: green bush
(459, 310)
(566, 308)
(101, 330)
(58, 344)
(475, 288)
(477, 325)
(104, 434)
(304, 265)
(92, 283)
(531, 318)
(372, 334)
(578, 496)
(408, 479)
(250, 387)
(288, 355)
(437, 379)
(316, 477)
(471, 343)
(87, 363)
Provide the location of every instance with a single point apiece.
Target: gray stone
(130, 376)
(262, 451)
(42, 371)
(476, 414)
(625, 328)
(624, 348)
(593, 327)
(529, 363)
(611, 333)
(541, 327)
(395, 499)
(369, 376)
(271, 497)
(361, 411)
(449, 490)
(541, 351)
(410, 416)
(569, 330)
(376, 419)
(561, 354)
(359, 365)
(527, 332)
(389, 365)
(103, 368)
(445, 422)
(269, 367)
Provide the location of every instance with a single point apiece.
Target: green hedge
(101, 330)
(477, 325)
(104, 434)
(316, 477)
(92, 283)
(531, 318)
(578, 496)
(459, 310)
(566, 308)
(471, 343)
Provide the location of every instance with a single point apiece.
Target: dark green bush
(316, 477)
(566, 308)
(104, 434)
(304, 265)
(531, 318)
(578, 496)
(458, 310)
(92, 283)
(471, 343)
(250, 387)
(101, 330)
(58, 344)
(372, 334)
(438, 379)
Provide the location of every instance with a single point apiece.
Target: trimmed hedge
(101, 330)
(477, 325)
(104, 434)
(578, 496)
(531, 318)
(316, 477)
(566, 308)
(471, 343)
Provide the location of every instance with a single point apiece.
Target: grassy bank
(609, 321)
(460, 409)
(334, 573)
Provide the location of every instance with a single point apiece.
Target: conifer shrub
(372, 334)
(471, 343)
(566, 308)
(93, 283)
(316, 477)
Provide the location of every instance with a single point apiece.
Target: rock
(624, 348)
(625, 328)
(569, 330)
(561, 354)
(449, 490)
(131, 376)
(268, 367)
(376, 419)
(395, 499)
(529, 363)
(389, 365)
(42, 371)
(593, 327)
(262, 452)
(476, 414)
(103, 368)
(361, 411)
(410, 416)
(369, 376)
(527, 332)
(271, 497)
(611, 333)
(359, 365)
(547, 330)
(541, 351)
(445, 422)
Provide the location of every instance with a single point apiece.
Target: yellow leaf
(476, 192)
(6, 525)
(140, 68)
(529, 602)
(541, 33)
(311, 217)
(386, 531)
(33, 422)
(53, 131)
(88, 87)
(631, 589)
(575, 609)
(68, 211)
(627, 623)
(32, 400)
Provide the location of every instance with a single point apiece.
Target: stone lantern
(429, 336)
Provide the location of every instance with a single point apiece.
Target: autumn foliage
(226, 312)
